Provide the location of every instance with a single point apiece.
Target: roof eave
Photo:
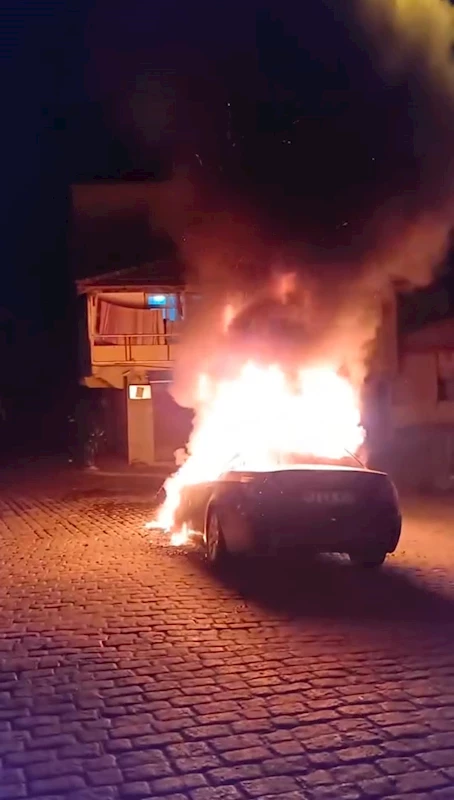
(124, 280)
(92, 288)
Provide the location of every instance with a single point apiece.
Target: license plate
(329, 498)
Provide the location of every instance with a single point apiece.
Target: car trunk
(323, 507)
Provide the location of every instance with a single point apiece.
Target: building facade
(423, 408)
(130, 326)
(130, 318)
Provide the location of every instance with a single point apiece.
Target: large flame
(261, 419)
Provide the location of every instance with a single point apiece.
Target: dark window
(445, 391)
(445, 377)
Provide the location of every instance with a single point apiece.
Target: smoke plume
(339, 170)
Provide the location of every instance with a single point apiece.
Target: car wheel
(372, 560)
(216, 550)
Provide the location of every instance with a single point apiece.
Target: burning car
(307, 507)
(272, 465)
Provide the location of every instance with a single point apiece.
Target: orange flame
(261, 419)
(228, 317)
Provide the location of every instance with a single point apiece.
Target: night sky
(107, 88)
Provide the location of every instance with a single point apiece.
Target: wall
(416, 393)
(422, 457)
(422, 454)
(83, 350)
(386, 360)
(110, 227)
(116, 423)
(172, 423)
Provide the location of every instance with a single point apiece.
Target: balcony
(140, 349)
(133, 328)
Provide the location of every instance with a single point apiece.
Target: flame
(285, 286)
(228, 316)
(259, 420)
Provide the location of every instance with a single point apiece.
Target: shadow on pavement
(331, 587)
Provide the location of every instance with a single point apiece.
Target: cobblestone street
(128, 670)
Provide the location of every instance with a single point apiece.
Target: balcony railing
(134, 348)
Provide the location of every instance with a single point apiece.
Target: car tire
(373, 560)
(215, 547)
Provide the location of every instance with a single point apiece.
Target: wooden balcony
(148, 350)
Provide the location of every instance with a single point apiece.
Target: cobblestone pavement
(127, 670)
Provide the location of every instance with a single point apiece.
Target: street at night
(227, 332)
(130, 670)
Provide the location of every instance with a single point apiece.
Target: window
(445, 390)
(169, 304)
(157, 300)
(445, 377)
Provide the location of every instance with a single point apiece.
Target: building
(423, 407)
(130, 325)
(130, 318)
